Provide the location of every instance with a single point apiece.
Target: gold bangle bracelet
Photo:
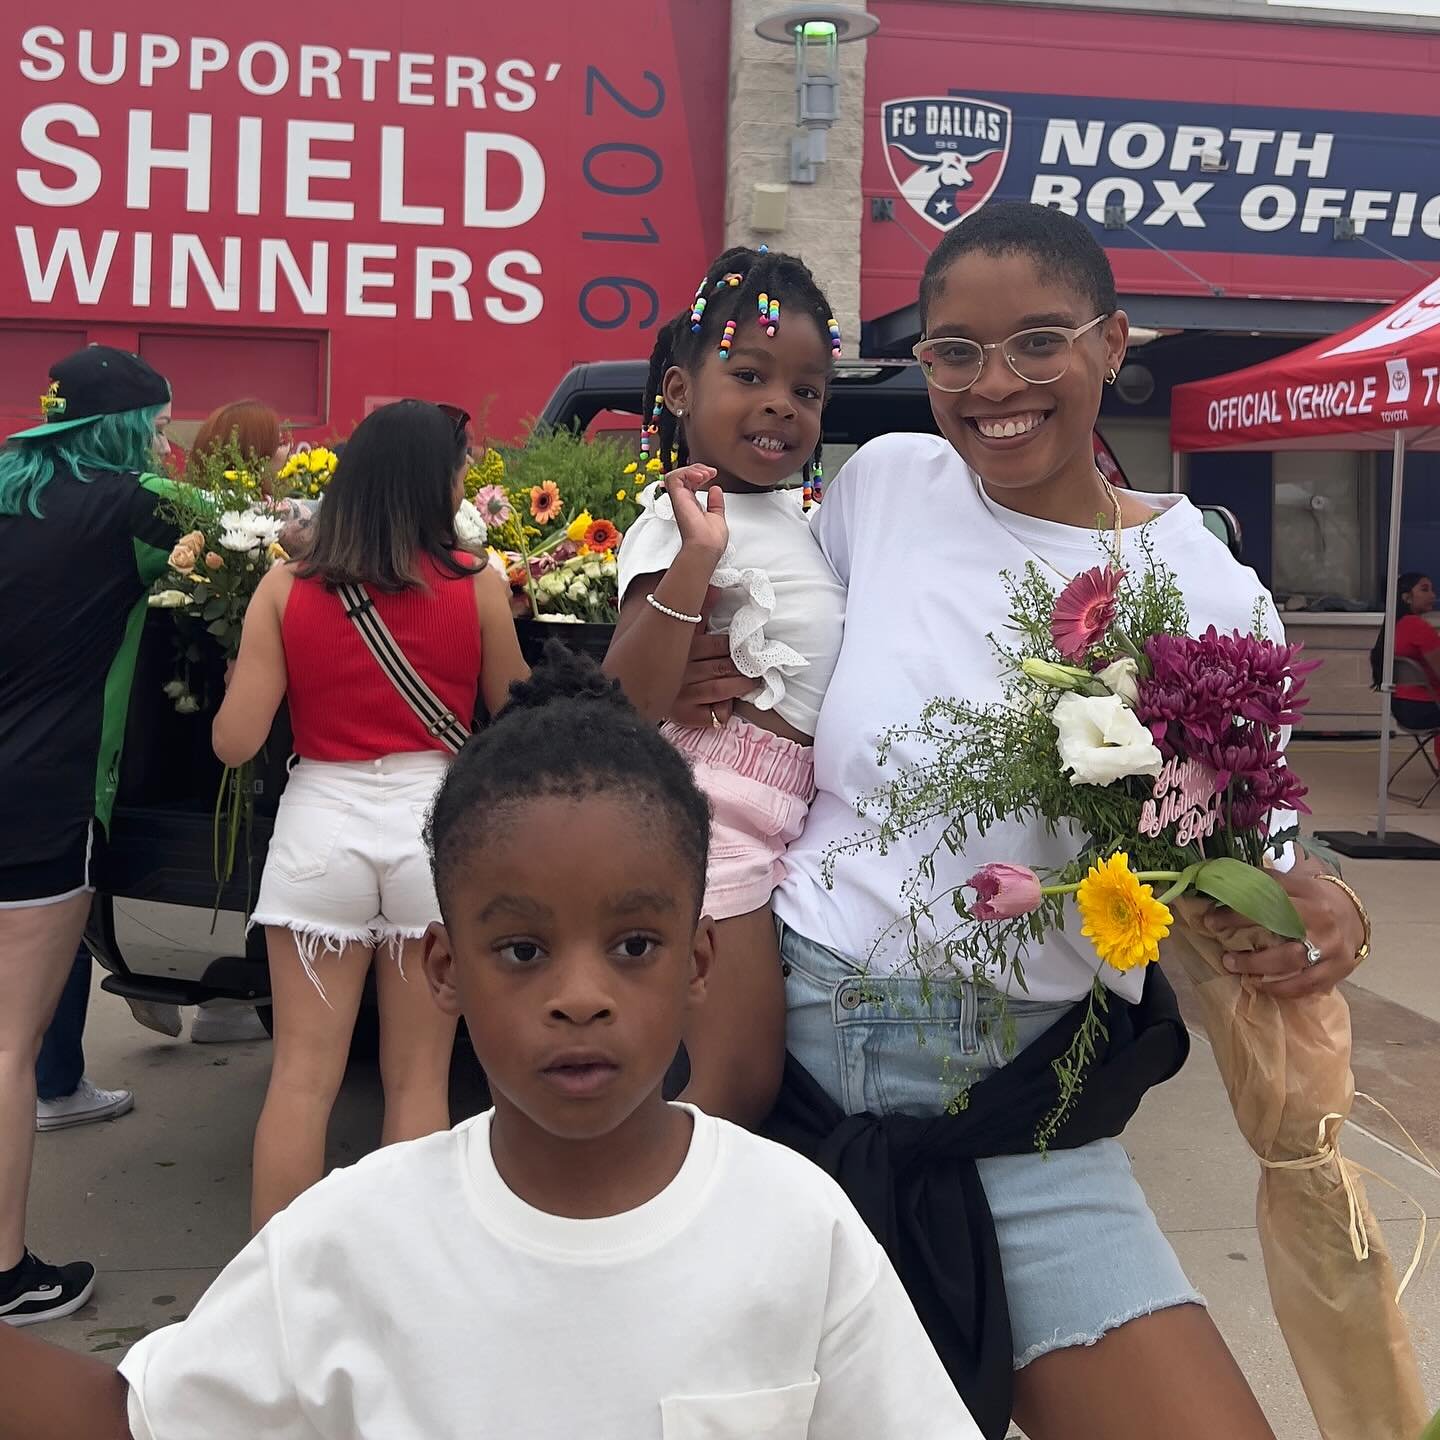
(1359, 905)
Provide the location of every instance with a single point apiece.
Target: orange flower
(516, 576)
(545, 502)
(602, 535)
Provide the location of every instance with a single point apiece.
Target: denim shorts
(1081, 1252)
(347, 861)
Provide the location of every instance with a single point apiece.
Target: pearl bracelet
(673, 614)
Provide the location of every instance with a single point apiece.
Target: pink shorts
(760, 787)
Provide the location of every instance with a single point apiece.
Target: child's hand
(702, 527)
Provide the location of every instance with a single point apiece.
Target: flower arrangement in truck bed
(1159, 751)
(551, 514)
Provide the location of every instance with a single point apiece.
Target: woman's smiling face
(1016, 435)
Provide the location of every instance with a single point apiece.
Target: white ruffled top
(779, 601)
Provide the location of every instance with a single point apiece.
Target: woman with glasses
(1045, 1282)
(347, 880)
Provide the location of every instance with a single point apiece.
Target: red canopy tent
(1373, 387)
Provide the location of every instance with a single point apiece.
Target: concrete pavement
(159, 1198)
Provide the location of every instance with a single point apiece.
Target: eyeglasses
(1039, 356)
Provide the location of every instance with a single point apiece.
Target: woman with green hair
(81, 541)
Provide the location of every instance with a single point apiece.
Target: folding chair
(1408, 672)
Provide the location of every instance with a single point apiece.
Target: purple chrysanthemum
(1200, 689)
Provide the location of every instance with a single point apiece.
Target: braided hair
(730, 294)
(566, 731)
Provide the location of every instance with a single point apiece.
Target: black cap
(96, 381)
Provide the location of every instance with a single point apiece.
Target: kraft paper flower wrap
(1286, 1068)
(1161, 753)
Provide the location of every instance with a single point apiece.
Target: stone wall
(823, 220)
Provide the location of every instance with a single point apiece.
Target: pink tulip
(1004, 891)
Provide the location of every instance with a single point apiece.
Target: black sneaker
(34, 1291)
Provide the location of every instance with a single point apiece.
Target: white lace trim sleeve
(755, 655)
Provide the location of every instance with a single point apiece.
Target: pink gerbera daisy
(493, 504)
(1084, 611)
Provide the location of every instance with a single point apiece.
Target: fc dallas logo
(946, 153)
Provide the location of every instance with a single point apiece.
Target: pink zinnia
(1004, 891)
(1084, 611)
(493, 504)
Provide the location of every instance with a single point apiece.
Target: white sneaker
(153, 1015)
(88, 1103)
(218, 1023)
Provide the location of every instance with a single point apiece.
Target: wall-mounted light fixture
(816, 33)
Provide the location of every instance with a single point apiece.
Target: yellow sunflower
(1123, 919)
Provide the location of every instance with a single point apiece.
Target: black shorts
(64, 874)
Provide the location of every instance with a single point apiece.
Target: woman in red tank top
(347, 878)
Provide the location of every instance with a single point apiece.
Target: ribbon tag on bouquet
(1186, 795)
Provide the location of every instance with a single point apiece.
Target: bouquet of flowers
(1160, 752)
(231, 539)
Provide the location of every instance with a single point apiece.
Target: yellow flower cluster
(309, 471)
(489, 469)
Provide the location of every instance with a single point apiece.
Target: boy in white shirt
(585, 1259)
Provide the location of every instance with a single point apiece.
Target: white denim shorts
(1079, 1247)
(347, 861)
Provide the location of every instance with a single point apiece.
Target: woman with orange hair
(253, 427)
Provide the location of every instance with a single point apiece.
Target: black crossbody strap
(438, 719)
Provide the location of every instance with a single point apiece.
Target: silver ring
(1313, 955)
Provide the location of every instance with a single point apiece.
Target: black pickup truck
(155, 925)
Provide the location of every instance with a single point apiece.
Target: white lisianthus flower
(470, 529)
(174, 689)
(592, 570)
(578, 590)
(169, 600)
(239, 542)
(1122, 678)
(1101, 741)
(187, 705)
(551, 584)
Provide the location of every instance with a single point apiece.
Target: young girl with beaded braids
(735, 391)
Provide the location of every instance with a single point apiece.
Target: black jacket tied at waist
(916, 1183)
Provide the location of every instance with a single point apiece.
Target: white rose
(592, 570)
(169, 600)
(1122, 678)
(174, 689)
(578, 590)
(1101, 741)
(187, 705)
(551, 584)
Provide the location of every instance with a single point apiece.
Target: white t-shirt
(415, 1297)
(921, 548)
(779, 601)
